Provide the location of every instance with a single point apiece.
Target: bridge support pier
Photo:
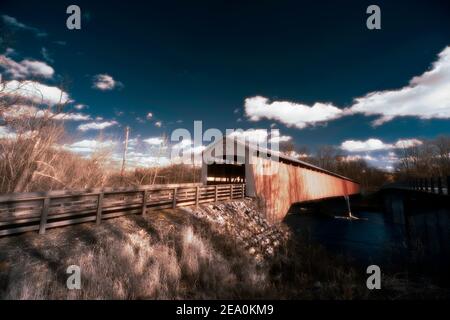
(349, 210)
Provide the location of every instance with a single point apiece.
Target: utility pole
(127, 131)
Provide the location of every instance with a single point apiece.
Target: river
(372, 239)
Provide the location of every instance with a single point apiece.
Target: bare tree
(326, 157)
(35, 130)
(431, 158)
(162, 148)
(408, 160)
(443, 148)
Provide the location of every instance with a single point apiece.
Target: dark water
(370, 240)
(376, 239)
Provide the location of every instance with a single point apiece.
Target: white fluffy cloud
(261, 137)
(96, 125)
(426, 97)
(350, 158)
(72, 116)
(34, 92)
(105, 82)
(407, 143)
(154, 141)
(280, 139)
(89, 146)
(26, 68)
(27, 111)
(376, 144)
(290, 113)
(368, 145)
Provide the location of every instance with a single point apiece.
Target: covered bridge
(279, 181)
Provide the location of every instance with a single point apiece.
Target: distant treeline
(430, 159)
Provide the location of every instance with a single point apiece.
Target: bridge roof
(280, 155)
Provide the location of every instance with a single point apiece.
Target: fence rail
(439, 185)
(40, 211)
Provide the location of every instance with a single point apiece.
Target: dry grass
(167, 255)
(127, 258)
(173, 254)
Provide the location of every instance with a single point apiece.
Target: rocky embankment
(244, 221)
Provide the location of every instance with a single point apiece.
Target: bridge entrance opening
(221, 173)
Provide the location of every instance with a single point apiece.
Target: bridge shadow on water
(417, 249)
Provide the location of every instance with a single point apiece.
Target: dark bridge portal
(225, 173)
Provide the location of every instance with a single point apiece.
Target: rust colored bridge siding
(287, 184)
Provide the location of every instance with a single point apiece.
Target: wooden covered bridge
(278, 180)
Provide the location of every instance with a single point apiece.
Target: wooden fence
(439, 185)
(39, 211)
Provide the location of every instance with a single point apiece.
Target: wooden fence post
(70, 213)
(174, 202)
(439, 183)
(448, 185)
(44, 215)
(99, 208)
(144, 201)
(432, 184)
(197, 194)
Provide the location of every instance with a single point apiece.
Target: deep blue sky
(199, 60)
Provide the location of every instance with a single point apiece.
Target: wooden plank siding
(40, 211)
(280, 187)
(269, 175)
